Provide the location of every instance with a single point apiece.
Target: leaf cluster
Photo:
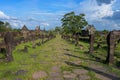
(5, 26)
(72, 23)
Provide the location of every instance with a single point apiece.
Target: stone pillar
(111, 47)
(42, 38)
(91, 49)
(8, 38)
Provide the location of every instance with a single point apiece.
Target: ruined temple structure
(37, 29)
(25, 31)
(112, 37)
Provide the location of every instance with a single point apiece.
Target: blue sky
(103, 14)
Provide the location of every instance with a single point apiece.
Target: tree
(5, 26)
(2, 27)
(16, 30)
(73, 24)
(57, 29)
(1, 22)
(105, 31)
(8, 26)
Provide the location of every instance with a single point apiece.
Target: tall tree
(73, 24)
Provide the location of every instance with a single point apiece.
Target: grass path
(56, 60)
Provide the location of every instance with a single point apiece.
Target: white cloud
(103, 11)
(94, 11)
(42, 13)
(96, 14)
(14, 21)
(45, 24)
(48, 13)
(3, 15)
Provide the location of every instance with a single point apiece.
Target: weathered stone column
(91, 30)
(42, 38)
(111, 47)
(8, 38)
(91, 49)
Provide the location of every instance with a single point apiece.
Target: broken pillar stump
(8, 38)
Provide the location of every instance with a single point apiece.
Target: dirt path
(56, 59)
(70, 63)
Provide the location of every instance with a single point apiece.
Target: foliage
(57, 29)
(16, 30)
(105, 31)
(51, 54)
(100, 36)
(51, 32)
(72, 23)
(5, 26)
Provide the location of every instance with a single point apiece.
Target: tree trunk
(42, 38)
(77, 39)
(91, 50)
(72, 37)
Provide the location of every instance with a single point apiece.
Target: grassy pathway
(56, 60)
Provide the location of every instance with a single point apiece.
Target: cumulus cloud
(14, 21)
(101, 13)
(95, 11)
(3, 15)
(115, 16)
(47, 18)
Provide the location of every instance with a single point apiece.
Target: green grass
(51, 54)
(1, 39)
(24, 61)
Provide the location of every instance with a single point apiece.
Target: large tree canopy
(72, 23)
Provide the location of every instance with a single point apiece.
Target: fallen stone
(69, 76)
(66, 72)
(38, 75)
(55, 74)
(20, 72)
(102, 77)
(80, 71)
(55, 69)
(84, 77)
